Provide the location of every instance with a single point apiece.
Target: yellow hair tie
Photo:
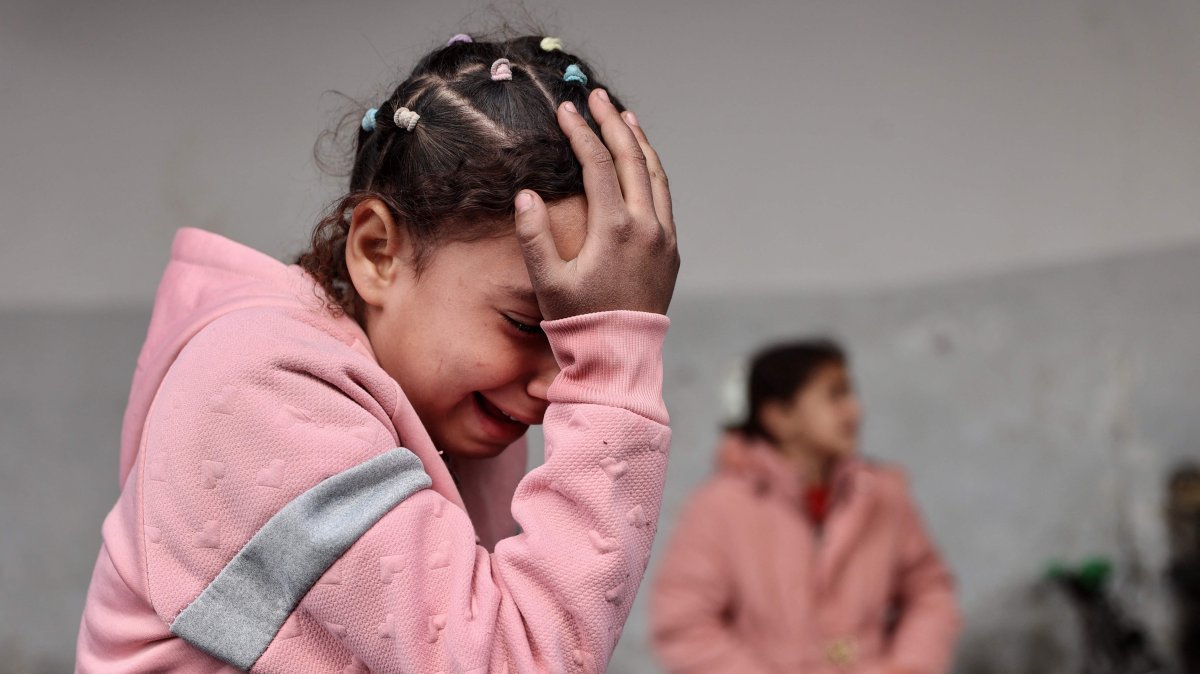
(552, 44)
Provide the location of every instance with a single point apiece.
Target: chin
(475, 450)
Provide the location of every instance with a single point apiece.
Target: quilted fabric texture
(248, 394)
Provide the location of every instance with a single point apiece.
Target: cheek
(843, 419)
(826, 421)
(853, 414)
(428, 352)
(496, 360)
(452, 362)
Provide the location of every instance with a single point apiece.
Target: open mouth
(507, 424)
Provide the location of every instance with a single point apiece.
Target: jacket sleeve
(692, 594)
(413, 592)
(929, 622)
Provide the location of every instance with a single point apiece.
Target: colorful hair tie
(501, 70)
(573, 73)
(405, 119)
(461, 37)
(551, 44)
(368, 120)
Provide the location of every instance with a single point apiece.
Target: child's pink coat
(748, 586)
(248, 396)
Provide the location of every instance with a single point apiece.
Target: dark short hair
(478, 142)
(780, 371)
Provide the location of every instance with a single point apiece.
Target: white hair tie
(405, 119)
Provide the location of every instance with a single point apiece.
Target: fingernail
(603, 95)
(570, 107)
(629, 117)
(524, 202)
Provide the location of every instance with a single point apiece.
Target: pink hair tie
(461, 37)
(501, 70)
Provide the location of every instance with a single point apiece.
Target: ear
(378, 252)
(771, 417)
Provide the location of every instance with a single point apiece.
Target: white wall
(812, 145)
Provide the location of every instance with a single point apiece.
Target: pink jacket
(283, 509)
(749, 586)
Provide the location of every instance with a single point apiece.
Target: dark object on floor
(1114, 643)
(1183, 527)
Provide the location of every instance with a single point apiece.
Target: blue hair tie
(574, 74)
(368, 120)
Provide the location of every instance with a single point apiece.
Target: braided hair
(479, 140)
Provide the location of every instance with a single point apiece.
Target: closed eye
(524, 328)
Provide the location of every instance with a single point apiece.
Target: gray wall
(819, 144)
(1036, 412)
(993, 202)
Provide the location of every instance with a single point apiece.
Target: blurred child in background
(798, 555)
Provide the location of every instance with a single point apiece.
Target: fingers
(628, 158)
(658, 177)
(533, 233)
(599, 179)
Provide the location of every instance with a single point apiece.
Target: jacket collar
(773, 475)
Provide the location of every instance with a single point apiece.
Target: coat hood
(209, 276)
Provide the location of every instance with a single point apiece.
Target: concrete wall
(993, 202)
(1036, 412)
(818, 144)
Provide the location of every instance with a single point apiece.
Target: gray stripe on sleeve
(237, 616)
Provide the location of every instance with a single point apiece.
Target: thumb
(533, 233)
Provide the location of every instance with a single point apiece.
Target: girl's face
(824, 416)
(462, 338)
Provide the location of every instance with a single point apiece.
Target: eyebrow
(522, 293)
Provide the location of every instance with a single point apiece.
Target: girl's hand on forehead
(629, 259)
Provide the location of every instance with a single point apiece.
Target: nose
(546, 370)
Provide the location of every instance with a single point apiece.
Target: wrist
(610, 358)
